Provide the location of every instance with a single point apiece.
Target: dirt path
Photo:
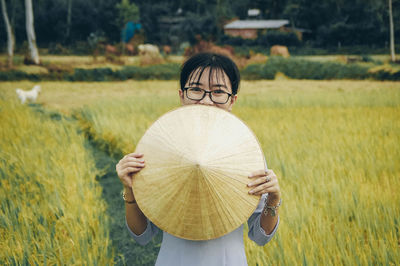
(127, 250)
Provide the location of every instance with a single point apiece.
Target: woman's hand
(264, 182)
(129, 165)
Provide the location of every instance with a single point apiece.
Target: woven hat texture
(198, 159)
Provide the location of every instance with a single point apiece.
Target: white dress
(225, 250)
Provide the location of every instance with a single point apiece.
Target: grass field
(333, 144)
(51, 210)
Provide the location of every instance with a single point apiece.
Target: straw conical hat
(198, 159)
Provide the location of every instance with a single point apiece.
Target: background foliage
(331, 22)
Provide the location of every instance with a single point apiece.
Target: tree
(271, 9)
(10, 34)
(30, 32)
(69, 14)
(127, 12)
(392, 52)
(151, 12)
(222, 12)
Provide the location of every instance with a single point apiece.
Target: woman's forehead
(211, 75)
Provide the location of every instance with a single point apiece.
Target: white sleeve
(147, 235)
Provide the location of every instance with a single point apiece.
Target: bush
(81, 48)
(278, 38)
(385, 72)
(304, 69)
(57, 48)
(96, 74)
(237, 41)
(162, 72)
(257, 71)
(18, 75)
(291, 67)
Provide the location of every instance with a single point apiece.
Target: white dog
(29, 95)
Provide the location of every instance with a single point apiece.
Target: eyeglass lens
(217, 96)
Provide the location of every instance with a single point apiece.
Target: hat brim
(198, 159)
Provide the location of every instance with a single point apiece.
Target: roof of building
(256, 24)
(253, 12)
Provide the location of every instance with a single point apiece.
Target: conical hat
(198, 159)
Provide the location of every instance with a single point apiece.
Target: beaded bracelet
(272, 208)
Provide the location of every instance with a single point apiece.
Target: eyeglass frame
(204, 95)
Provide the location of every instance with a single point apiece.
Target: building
(248, 29)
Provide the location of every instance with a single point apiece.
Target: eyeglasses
(198, 94)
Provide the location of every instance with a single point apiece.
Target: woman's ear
(181, 96)
(233, 100)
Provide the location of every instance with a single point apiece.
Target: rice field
(333, 144)
(51, 211)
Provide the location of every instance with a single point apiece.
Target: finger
(259, 181)
(257, 173)
(131, 170)
(271, 189)
(264, 188)
(134, 159)
(135, 155)
(257, 189)
(133, 164)
(131, 159)
(122, 164)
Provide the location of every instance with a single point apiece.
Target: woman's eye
(218, 92)
(195, 89)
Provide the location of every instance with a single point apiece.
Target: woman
(208, 79)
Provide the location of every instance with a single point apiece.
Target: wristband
(129, 202)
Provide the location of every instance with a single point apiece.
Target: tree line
(330, 22)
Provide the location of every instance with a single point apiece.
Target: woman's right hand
(129, 165)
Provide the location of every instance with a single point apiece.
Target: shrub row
(291, 67)
(305, 49)
(160, 72)
(304, 69)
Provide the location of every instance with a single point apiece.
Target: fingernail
(249, 184)
(250, 176)
(251, 191)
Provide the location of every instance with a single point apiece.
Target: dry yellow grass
(334, 146)
(51, 211)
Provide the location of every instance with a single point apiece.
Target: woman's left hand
(264, 182)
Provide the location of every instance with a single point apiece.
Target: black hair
(215, 62)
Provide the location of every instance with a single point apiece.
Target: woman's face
(216, 82)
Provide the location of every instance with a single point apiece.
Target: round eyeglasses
(198, 94)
